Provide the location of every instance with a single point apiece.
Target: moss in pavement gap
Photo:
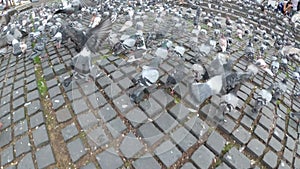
(37, 60)
(227, 147)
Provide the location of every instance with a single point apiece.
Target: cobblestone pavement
(94, 125)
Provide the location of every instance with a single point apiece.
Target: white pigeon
(223, 43)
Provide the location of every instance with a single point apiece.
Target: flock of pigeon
(62, 23)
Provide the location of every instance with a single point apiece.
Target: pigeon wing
(98, 34)
(200, 92)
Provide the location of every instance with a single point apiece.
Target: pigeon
(264, 66)
(75, 6)
(223, 43)
(228, 103)
(199, 72)
(82, 61)
(264, 97)
(17, 51)
(162, 51)
(274, 65)
(249, 51)
(175, 77)
(279, 89)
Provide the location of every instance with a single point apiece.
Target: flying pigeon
(82, 61)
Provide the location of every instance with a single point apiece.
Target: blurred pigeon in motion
(223, 43)
(17, 51)
(74, 6)
(275, 65)
(264, 66)
(199, 72)
(58, 39)
(175, 77)
(264, 97)
(284, 63)
(279, 89)
(146, 79)
(82, 61)
(228, 103)
(162, 51)
(249, 51)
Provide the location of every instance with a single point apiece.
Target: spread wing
(98, 34)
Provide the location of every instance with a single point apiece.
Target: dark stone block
(203, 157)
(116, 127)
(97, 138)
(183, 138)
(149, 133)
(44, 157)
(216, 142)
(167, 153)
(256, 147)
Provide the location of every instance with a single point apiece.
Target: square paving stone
(256, 147)
(58, 102)
(40, 135)
(265, 122)
(104, 81)
(76, 149)
(117, 75)
(97, 137)
(4, 109)
(18, 93)
(6, 121)
(89, 166)
(79, 106)
(6, 137)
(109, 159)
(33, 107)
(247, 122)
(166, 122)
(261, 133)
(188, 165)
(179, 111)
(270, 159)
(123, 104)
(146, 162)
(167, 153)
(89, 88)
(162, 97)
(116, 127)
(149, 133)
(203, 157)
(223, 166)
(19, 114)
(18, 102)
(31, 86)
(51, 83)
(97, 100)
(288, 155)
(54, 91)
(150, 107)
(44, 156)
(130, 145)
(275, 144)
(242, 135)
(283, 165)
(125, 83)
(7, 155)
(20, 128)
(128, 70)
(48, 73)
(107, 113)
(37, 120)
(236, 159)
(26, 162)
(136, 117)
(197, 126)
(290, 143)
(216, 142)
(183, 138)
(33, 95)
(110, 68)
(297, 162)
(22, 146)
(69, 131)
(63, 115)
(6, 99)
(74, 94)
(113, 90)
(59, 69)
(87, 120)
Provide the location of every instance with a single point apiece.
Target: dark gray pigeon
(279, 89)
(175, 77)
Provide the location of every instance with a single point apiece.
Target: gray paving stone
(270, 159)
(4, 109)
(128, 70)
(19, 83)
(261, 133)
(51, 83)
(6, 99)
(113, 90)
(236, 159)
(89, 166)
(97, 137)
(18, 102)
(59, 69)
(290, 143)
(130, 145)
(7, 155)
(19, 114)
(57, 102)
(18, 93)
(150, 133)
(34, 107)
(116, 127)
(110, 68)
(179, 111)
(104, 81)
(6, 121)
(150, 107)
(107, 113)
(63, 115)
(203, 157)
(40, 136)
(37, 120)
(183, 138)
(197, 126)
(20, 128)
(79, 106)
(54, 91)
(22, 146)
(26, 162)
(278, 133)
(265, 122)
(216, 142)
(163, 98)
(188, 165)
(283, 165)
(123, 104)
(31, 86)
(117, 75)
(166, 122)
(87, 120)
(6, 137)
(88, 88)
(125, 83)
(242, 135)
(146, 162)
(74, 94)
(109, 159)
(275, 144)
(33, 95)
(247, 122)
(288, 155)
(256, 147)
(297, 162)
(223, 166)
(44, 156)
(48, 73)
(69, 131)
(136, 117)
(97, 100)
(167, 153)
(291, 131)
(76, 149)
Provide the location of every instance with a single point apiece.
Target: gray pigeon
(264, 97)
(175, 77)
(228, 103)
(279, 89)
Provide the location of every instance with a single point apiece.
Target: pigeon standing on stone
(275, 65)
(279, 89)
(223, 43)
(249, 51)
(264, 97)
(228, 103)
